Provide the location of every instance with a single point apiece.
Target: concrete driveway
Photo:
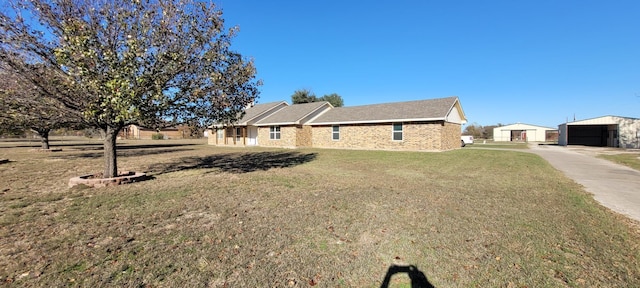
(615, 186)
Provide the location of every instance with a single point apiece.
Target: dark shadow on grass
(418, 279)
(151, 146)
(99, 146)
(53, 144)
(130, 153)
(125, 147)
(124, 150)
(236, 162)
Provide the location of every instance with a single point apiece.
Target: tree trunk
(44, 137)
(110, 164)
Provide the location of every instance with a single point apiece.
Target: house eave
(278, 124)
(378, 121)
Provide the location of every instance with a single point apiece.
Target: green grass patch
(292, 218)
(499, 145)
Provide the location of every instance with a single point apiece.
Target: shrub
(157, 136)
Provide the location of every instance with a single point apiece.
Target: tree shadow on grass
(100, 146)
(53, 144)
(418, 279)
(236, 162)
(126, 147)
(129, 153)
(124, 150)
(151, 146)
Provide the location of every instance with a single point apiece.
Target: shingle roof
(257, 110)
(421, 110)
(293, 114)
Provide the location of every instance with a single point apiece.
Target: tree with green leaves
(307, 96)
(151, 63)
(334, 99)
(303, 96)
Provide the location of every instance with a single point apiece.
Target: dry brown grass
(222, 217)
(628, 159)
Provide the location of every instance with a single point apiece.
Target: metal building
(606, 131)
(523, 133)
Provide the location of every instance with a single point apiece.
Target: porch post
(235, 134)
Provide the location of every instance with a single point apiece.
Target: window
(238, 134)
(397, 131)
(335, 132)
(274, 132)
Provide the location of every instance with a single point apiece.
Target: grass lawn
(222, 217)
(498, 145)
(628, 159)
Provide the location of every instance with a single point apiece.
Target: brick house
(288, 127)
(243, 132)
(424, 125)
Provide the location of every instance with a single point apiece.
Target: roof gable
(259, 111)
(295, 114)
(421, 110)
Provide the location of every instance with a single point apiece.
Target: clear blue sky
(537, 62)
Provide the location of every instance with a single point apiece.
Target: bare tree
(151, 63)
(23, 106)
(474, 129)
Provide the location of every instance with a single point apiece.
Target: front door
(252, 135)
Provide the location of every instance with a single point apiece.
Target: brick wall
(211, 139)
(427, 136)
(303, 136)
(422, 136)
(451, 133)
(288, 137)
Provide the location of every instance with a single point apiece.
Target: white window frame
(394, 131)
(274, 133)
(334, 133)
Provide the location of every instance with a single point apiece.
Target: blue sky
(536, 62)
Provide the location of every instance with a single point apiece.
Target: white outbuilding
(606, 131)
(523, 133)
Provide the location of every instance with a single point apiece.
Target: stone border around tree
(91, 181)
